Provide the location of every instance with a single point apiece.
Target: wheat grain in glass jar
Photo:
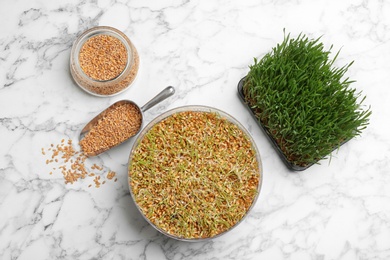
(194, 173)
(103, 61)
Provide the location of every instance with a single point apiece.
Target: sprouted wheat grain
(194, 174)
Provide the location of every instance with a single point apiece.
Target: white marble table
(339, 210)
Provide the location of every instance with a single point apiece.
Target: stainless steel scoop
(167, 92)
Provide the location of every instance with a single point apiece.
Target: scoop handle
(167, 92)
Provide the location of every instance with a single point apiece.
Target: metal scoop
(167, 92)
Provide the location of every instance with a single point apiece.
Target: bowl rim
(195, 108)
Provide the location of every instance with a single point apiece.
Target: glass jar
(103, 61)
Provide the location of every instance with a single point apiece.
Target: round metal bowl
(195, 109)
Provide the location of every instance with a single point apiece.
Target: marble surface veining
(336, 210)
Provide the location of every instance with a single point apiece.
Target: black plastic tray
(289, 164)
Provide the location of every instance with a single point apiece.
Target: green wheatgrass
(305, 102)
(194, 174)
